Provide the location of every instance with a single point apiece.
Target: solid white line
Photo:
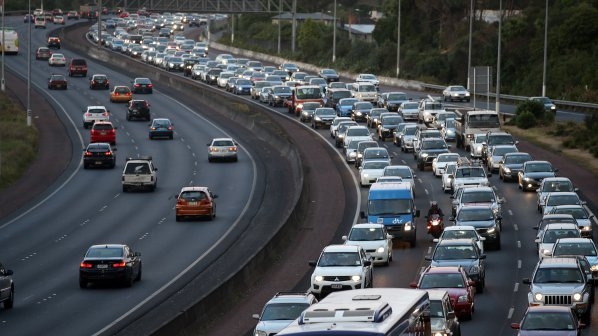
(510, 212)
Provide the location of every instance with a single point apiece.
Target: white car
(280, 311)
(57, 60)
(447, 176)
(409, 110)
(334, 125)
(370, 170)
(551, 233)
(361, 133)
(370, 78)
(351, 151)
(336, 262)
(561, 198)
(462, 231)
(222, 149)
(402, 171)
(439, 163)
(581, 215)
(374, 240)
(475, 149)
(553, 184)
(456, 92)
(95, 113)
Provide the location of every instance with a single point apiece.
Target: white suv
(95, 113)
(341, 267)
(280, 311)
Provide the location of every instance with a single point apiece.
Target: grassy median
(18, 142)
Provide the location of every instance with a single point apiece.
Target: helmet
(434, 204)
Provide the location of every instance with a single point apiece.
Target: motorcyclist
(435, 210)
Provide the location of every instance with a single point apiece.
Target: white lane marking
(516, 227)
(516, 288)
(510, 212)
(426, 190)
(429, 249)
(519, 244)
(510, 315)
(103, 208)
(519, 264)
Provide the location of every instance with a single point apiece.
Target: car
(110, 263)
(333, 95)
(577, 246)
(462, 232)
(43, 53)
(94, 114)
(369, 78)
(461, 252)
(290, 68)
(392, 100)
(344, 105)
(553, 218)
(553, 184)
(139, 173)
(334, 126)
(323, 117)
(470, 173)
(407, 137)
(477, 195)
(402, 171)
(441, 161)
(120, 94)
(510, 164)
(361, 146)
(59, 19)
(443, 319)
(551, 233)
(282, 309)
(39, 22)
(423, 132)
(374, 240)
(581, 216)
(428, 108)
(243, 87)
(72, 15)
(103, 131)
(352, 132)
(341, 131)
(441, 118)
(456, 282)
(549, 106)
(279, 94)
(99, 81)
(28, 18)
(560, 198)
(340, 267)
(449, 130)
(351, 150)
(99, 154)
(387, 124)
(370, 170)
(222, 149)
(477, 145)
(57, 82)
(532, 174)
(7, 287)
(429, 149)
(78, 66)
(57, 60)
(360, 110)
(484, 219)
(138, 109)
(195, 201)
(142, 85)
(495, 138)
(54, 42)
(161, 128)
(308, 110)
(409, 111)
(447, 177)
(456, 92)
(560, 282)
(330, 75)
(495, 154)
(548, 320)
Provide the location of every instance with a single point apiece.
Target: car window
(105, 252)
(443, 280)
(102, 127)
(193, 195)
(137, 168)
(223, 143)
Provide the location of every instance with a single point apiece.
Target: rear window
(78, 62)
(137, 168)
(102, 127)
(193, 196)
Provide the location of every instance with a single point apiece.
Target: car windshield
(557, 186)
(551, 235)
(409, 106)
(375, 153)
(538, 167)
(363, 106)
(448, 158)
(516, 159)
(548, 321)
(328, 259)
(328, 72)
(575, 248)
(347, 102)
(368, 77)
(392, 120)
(484, 120)
(222, 143)
(374, 165)
(366, 234)
(454, 252)
(576, 212)
(325, 112)
(458, 88)
(558, 275)
(458, 234)
(436, 309)
(396, 96)
(401, 172)
(358, 131)
(501, 140)
(283, 311)
(102, 127)
(341, 94)
(308, 92)
(433, 106)
(449, 123)
(433, 144)
(409, 130)
(243, 82)
(471, 172)
(367, 88)
(381, 207)
(467, 215)
(442, 280)
(478, 197)
(556, 199)
(500, 151)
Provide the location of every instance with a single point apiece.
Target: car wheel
(82, 284)
(9, 303)
(171, 136)
(129, 282)
(125, 188)
(85, 165)
(138, 278)
(479, 288)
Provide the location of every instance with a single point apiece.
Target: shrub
(526, 119)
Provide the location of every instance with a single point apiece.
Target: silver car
(581, 215)
(456, 92)
(222, 149)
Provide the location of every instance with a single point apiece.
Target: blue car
(242, 87)
(344, 106)
(161, 128)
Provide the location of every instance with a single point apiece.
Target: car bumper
(193, 211)
(160, 134)
(326, 287)
(99, 161)
(102, 139)
(105, 275)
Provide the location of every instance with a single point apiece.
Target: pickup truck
(139, 173)
(302, 94)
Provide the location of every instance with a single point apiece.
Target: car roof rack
(139, 157)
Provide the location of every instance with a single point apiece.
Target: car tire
(479, 288)
(82, 284)
(138, 278)
(85, 165)
(125, 188)
(10, 302)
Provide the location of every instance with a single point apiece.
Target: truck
(471, 122)
(392, 204)
(139, 173)
(88, 11)
(302, 94)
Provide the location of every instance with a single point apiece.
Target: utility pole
(498, 58)
(398, 38)
(470, 36)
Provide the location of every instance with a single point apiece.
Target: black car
(329, 75)
(188, 65)
(142, 85)
(360, 110)
(429, 150)
(99, 82)
(532, 174)
(54, 42)
(99, 154)
(138, 109)
(110, 263)
(322, 117)
(7, 288)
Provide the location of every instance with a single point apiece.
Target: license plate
(98, 162)
(102, 266)
(103, 133)
(336, 286)
(192, 203)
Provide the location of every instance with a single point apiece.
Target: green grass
(18, 142)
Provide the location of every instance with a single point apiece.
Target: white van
(364, 91)
(40, 22)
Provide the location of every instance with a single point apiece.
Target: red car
(103, 131)
(454, 280)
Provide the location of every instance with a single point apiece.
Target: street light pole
(469, 54)
(334, 34)
(29, 70)
(545, 51)
(279, 22)
(398, 37)
(2, 81)
(498, 58)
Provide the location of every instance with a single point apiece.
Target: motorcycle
(435, 225)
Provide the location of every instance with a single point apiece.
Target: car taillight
(87, 153)
(137, 85)
(108, 154)
(86, 265)
(116, 94)
(119, 264)
(149, 85)
(105, 114)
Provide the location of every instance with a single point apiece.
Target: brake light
(105, 114)
(88, 114)
(108, 154)
(86, 265)
(119, 264)
(87, 153)
(149, 85)
(136, 85)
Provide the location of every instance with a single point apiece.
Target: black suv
(429, 150)
(7, 287)
(138, 109)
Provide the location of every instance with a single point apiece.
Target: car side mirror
(482, 238)
(413, 284)
(515, 326)
(435, 240)
(367, 262)
(537, 241)
(428, 258)
(482, 256)
(256, 316)
(344, 238)
(526, 281)
(312, 263)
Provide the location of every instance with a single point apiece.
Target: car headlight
(462, 298)
(553, 107)
(527, 179)
(577, 297)
(424, 155)
(507, 170)
(544, 251)
(358, 113)
(450, 132)
(594, 268)
(380, 249)
(365, 175)
(260, 333)
(356, 278)
(586, 228)
(317, 118)
(407, 226)
(352, 154)
(474, 270)
(171, 65)
(538, 297)
(318, 278)
(491, 230)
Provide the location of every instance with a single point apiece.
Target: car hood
(367, 244)
(272, 327)
(466, 263)
(557, 288)
(538, 175)
(547, 332)
(337, 271)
